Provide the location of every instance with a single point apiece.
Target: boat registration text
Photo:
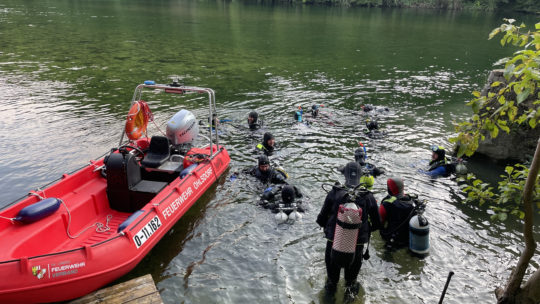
(147, 231)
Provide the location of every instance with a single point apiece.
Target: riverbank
(420, 64)
(522, 6)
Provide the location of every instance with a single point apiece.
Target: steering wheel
(124, 150)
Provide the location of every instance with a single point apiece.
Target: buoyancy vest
(437, 163)
(255, 126)
(274, 176)
(265, 149)
(449, 167)
(398, 213)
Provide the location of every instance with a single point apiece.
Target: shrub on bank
(529, 6)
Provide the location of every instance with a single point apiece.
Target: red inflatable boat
(93, 226)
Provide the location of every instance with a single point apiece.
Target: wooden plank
(138, 290)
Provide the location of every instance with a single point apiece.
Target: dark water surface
(68, 70)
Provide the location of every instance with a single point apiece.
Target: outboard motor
(419, 231)
(182, 129)
(349, 220)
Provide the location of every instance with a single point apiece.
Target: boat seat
(148, 186)
(135, 181)
(158, 153)
(126, 190)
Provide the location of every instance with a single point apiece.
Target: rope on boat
(12, 219)
(100, 227)
(159, 129)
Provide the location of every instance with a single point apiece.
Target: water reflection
(269, 263)
(64, 99)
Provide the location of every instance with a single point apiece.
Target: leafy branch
(503, 107)
(509, 196)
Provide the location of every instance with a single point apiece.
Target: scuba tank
(294, 215)
(281, 217)
(349, 220)
(419, 231)
(461, 169)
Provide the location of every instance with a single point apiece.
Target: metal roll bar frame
(177, 88)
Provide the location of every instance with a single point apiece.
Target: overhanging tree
(503, 110)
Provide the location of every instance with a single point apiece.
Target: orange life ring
(136, 121)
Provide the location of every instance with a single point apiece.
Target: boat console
(126, 189)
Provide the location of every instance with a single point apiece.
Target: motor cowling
(419, 234)
(182, 128)
(349, 220)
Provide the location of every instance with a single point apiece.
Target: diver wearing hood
(253, 121)
(373, 131)
(369, 171)
(311, 116)
(314, 111)
(290, 199)
(268, 144)
(266, 174)
(439, 164)
(368, 108)
(395, 211)
(328, 217)
(212, 122)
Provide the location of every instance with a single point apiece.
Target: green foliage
(508, 199)
(490, 5)
(522, 73)
(477, 190)
(500, 111)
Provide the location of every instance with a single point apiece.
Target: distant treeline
(530, 6)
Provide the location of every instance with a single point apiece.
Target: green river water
(67, 74)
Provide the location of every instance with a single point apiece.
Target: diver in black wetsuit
(368, 170)
(373, 130)
(253, 121)
(439, 164)
(290, 199)
(314, 111)
(268, 144)
(328, 217)
(266, 174)
(314, 116)
(395, 211)
(368, 108)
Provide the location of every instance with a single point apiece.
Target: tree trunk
(530, 293)
(512, 293)
(387, 3)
